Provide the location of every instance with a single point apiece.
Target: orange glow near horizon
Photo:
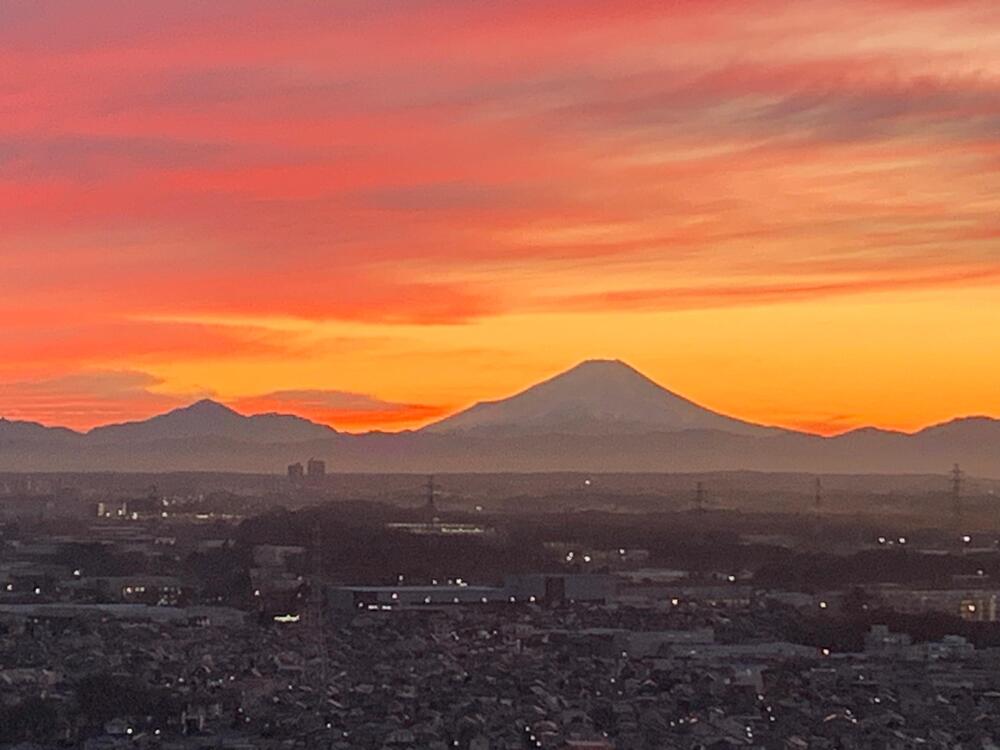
(373, 215)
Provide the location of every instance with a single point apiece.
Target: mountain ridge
(598, 416)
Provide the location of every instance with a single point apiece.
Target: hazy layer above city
(600, 416)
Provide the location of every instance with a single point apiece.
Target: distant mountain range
(599, 416)
(202, 419)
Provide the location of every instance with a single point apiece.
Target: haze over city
(373, 215)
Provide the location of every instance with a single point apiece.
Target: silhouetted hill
(208, 418)
(14, 430)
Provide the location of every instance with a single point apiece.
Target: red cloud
(342, 410)
(682, 298)
(68, 344)
(83, 400)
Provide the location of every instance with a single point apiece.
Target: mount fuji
(597, 397)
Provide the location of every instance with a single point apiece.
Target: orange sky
(372, 213)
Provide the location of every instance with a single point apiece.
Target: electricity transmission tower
(430, 506)
(699, 497)
(817, 509)
(957, 477)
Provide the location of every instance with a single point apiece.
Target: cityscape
(265, 611)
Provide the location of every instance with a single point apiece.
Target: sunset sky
(374, 213)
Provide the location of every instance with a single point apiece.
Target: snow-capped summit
(596, 396)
